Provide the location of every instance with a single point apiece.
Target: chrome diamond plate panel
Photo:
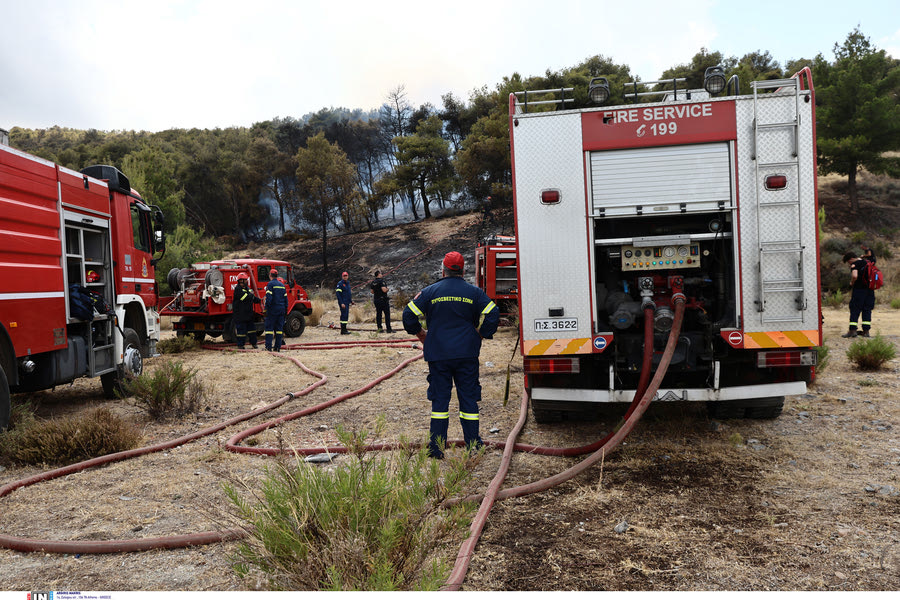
(552, 239)
(778, 239)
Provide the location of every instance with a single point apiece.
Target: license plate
(555, 324)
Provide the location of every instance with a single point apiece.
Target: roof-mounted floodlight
(598, 90)
(714, 80)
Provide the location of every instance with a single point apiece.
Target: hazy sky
(159, 64)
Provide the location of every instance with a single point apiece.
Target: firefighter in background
(457, 316)
(242, 313)
(344, 299)
(862, 299)
(382, 302)
(276, 310)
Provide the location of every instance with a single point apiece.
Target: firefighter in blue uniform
(345, 299)
(276, 310)
(242, 313)
(457, 316)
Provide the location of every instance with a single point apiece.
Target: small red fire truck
(204, 292)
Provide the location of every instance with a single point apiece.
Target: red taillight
(552, 365)
(791, 358)
(549, 196)
(776, 182)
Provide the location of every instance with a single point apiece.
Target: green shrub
(835, 299)
(895, 303)
(375, 523)
(177, 344)
(69, 440)
(822, 358)
(870, 354)
(171, 391)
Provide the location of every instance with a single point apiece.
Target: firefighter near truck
(68, 236)
(694, 202)
(203, 300)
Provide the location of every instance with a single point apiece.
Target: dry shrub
(177, 345)
(72, 439)
(318, 309)
(171, 391)
(362, 313)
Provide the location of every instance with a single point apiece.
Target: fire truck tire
(132, 365)
(769, 407)
(4, 400)
(294, 324)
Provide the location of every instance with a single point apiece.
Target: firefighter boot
(269, 341)
(851, 333)
(470, 434)
(438, 438)
(279, 338)
(344, 329)
(864, 333)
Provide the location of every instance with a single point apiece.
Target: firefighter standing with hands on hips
(276, 310)
(242, 313)
(457, 316)
(345, 299)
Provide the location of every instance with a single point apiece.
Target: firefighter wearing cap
(276, 310)
(242, 313)
(345, 299)
(457, 316)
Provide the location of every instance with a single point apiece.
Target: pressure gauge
(682, 250)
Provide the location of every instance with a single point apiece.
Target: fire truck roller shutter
(661, 179)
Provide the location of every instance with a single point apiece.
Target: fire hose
(610, 442)
(493, 493)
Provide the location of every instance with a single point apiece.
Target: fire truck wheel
(294, 324)
(132, 365)
(769, 407)
(4, 400)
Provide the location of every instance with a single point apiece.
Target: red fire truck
(60, 229)
(701, 199)
(204, 292)
(495, 271)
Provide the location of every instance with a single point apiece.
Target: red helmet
(92, 276)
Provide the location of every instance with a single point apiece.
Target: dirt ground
(808, 501)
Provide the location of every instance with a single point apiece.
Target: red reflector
(776, 182)
(795, 358)
(549, 196)
(552, 365)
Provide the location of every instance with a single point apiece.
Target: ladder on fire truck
(776, 123)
